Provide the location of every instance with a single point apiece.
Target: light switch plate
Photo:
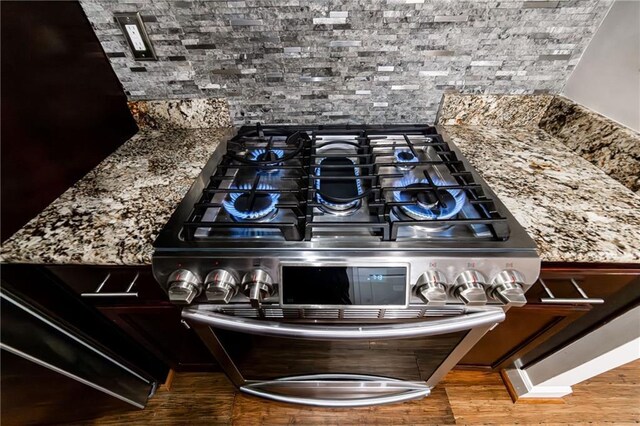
(136, 34)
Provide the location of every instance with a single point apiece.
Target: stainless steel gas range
(342, 265)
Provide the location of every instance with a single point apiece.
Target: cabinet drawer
(108, 285)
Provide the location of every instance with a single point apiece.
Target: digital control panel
(344, 285)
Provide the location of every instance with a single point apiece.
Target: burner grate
(255, 190)
(305, 182)
(344, 159)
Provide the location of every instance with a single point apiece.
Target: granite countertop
(573, 210)
(113, 214)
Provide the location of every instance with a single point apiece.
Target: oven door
(340, 363)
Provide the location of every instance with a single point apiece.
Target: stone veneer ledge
(182, 114)
(493, 110)
(607, 144)
(612, 147)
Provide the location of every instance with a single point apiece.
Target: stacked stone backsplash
(379, 61)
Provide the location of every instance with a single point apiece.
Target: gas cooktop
(342, 183)
(340, 194)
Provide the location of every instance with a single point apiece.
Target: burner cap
(261, 208)
(261, 202)
(339, 196)
(271, 156)
(429, 205)
(404, 158)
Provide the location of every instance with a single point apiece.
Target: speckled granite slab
(182, 114)
(572, 209)
(493, 110)
(607, 144)
(114, 213)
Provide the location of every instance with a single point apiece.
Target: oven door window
(265, 358)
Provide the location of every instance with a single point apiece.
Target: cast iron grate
(293, 167)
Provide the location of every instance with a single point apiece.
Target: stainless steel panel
(248, 358)
(451, 266)
(270, 358)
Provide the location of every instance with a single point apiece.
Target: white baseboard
(609, 346)
(525, 389)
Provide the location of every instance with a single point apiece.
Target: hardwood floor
(464, 397)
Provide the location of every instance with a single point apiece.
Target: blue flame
(229, 204)
(418, 211)
(255, 154)
(397, 153)
(345, 206)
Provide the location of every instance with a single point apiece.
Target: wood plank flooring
(464, 397)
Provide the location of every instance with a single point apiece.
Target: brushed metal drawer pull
(127, 293)
(583, 300)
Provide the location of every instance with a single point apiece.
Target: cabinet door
(620, 292)
(524, 329)
(131, 298)
(159, 329)
(539, 325)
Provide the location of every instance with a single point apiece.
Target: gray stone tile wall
(380, 61)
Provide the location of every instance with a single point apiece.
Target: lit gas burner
(404, 159)
(339, 196)
(244, 208)
(268, 157)
(429, 205)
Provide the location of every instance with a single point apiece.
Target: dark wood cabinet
(524, 328)
(63, 108)
(159, 328)
(531, 331)
(132, 299)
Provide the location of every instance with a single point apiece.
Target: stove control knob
(507, 288)
(184, 286)
(221, 285)
(431, 288)
(469, 288)
(257, 285)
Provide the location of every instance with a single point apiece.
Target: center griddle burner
(256, 207)
(338, 196)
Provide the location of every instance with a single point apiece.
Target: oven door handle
(454, 324)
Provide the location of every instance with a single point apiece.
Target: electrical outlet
(136, 39)
(133, 28)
